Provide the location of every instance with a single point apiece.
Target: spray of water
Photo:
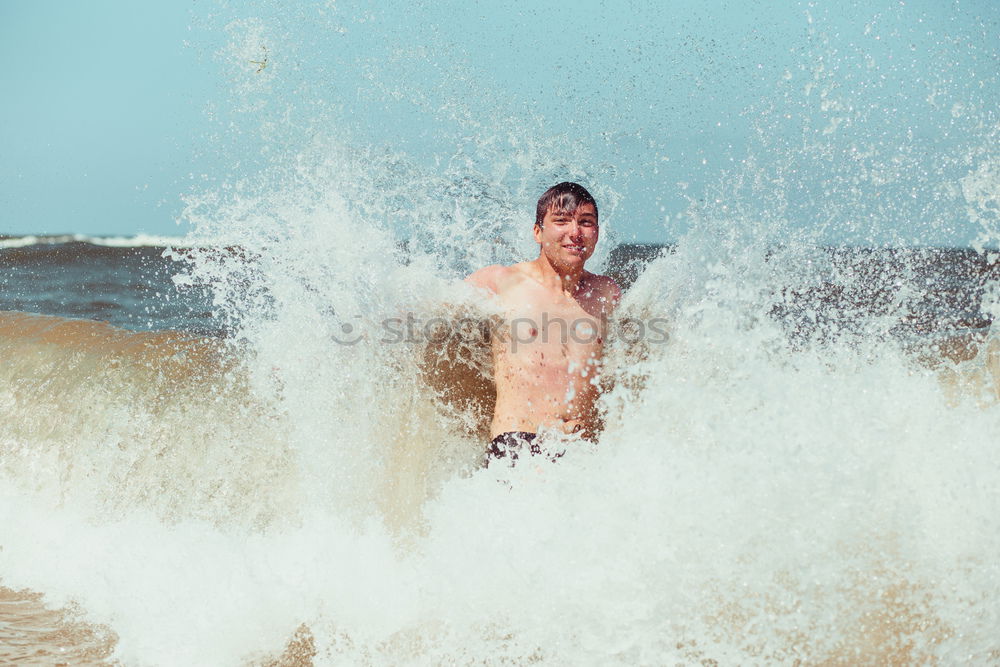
(781, 480)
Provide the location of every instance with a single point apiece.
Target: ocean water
(123, 281)
(214, 450)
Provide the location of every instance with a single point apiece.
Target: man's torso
(547, 351)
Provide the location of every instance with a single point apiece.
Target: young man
(547, 353)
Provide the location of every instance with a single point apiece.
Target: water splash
(782, 480)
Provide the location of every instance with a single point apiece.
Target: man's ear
(538, 233)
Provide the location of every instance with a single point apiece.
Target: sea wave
(137, 241)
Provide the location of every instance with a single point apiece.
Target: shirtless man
(547, 353)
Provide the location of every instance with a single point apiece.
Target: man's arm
(614, 293)
(458, 367)
(609, 295)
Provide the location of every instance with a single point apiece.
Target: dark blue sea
(124, 282)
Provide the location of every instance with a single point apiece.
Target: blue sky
(114, 110)
(102, 115)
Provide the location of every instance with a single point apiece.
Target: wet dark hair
(565, 196)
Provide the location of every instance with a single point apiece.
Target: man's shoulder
(494, 278)
(604, 287)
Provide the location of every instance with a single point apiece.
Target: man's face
(568, 238)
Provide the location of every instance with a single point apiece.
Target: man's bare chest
(530, 318)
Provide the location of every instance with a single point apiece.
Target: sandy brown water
(33, 634)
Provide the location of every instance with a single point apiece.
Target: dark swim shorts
(512, 443)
